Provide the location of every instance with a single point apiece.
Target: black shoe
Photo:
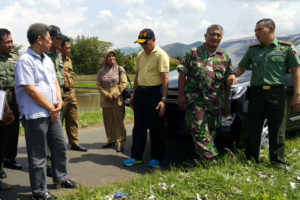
(46, 196)
(2, 174)
(108, 146)
(12, 165)
(65, 184)
(49, 172)
(77, 147)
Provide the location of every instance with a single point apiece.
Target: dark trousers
(12, 130)
(146, 117)
(2, 142)
(271, 105)
(40, 132)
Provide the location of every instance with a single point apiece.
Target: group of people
(40, 93)
(38, 81)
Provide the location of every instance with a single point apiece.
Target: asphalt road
(97, 166)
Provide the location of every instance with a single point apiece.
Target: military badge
(294, 50)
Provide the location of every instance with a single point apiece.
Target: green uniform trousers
(12, 130)
(271, 105)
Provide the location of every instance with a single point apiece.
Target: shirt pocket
(219, 71)
(278, 58)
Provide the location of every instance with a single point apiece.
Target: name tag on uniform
(278, 53)
(266, 87)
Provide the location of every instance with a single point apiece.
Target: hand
(8, 117)
(54, 111)
(295, 104)
(161, 107)
(109, 97)
(181, 101)
(231, 80)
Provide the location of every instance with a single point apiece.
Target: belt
(268, 87)
(9, 88)
(147, 87)
(67, 89)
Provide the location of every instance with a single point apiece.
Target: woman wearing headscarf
(111, 81)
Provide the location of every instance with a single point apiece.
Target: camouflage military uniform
(59, 67)
(7, 77)
(206, 72)
(69, 112)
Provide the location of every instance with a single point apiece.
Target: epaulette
(254, 45)
(286, 42)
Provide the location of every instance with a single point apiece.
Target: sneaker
(131, 161)
(153, 163)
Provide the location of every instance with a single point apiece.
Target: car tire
(264, 143)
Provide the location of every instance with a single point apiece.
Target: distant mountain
(179, 49)
(129, 50)
(175, 49)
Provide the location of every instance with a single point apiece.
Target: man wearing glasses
(149, 99)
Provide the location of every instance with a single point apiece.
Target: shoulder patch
(254, 45)
(286, 42)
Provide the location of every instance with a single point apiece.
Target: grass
(92, 118)
(89, 81)
(233, 178)
(86, 119)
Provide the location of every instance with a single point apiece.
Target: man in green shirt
(270, 60)
(8, 60)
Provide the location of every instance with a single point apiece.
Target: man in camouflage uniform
(57, 37)
(202, 85)
(54, 54)
(7, 66)
(69, 112)
(270, 60)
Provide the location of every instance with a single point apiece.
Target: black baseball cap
(55, 32)
(144, 35)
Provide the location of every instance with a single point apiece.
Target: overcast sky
(119, 21)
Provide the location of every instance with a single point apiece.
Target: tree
(86, 52)
(120, 57)
(16, 48)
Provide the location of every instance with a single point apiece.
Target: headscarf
(108, 76)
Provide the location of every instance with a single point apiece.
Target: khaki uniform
(267, 95)
(69, 112)
(7, 77)
(114, 113)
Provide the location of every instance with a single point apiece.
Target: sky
(120, 21)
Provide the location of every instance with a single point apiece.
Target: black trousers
(12, 130)
(271, 105)
(146, 117)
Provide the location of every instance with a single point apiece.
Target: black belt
(147, 87)
(268, 87)
(67, 89)
(9, 88)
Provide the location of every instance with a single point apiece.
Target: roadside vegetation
(233, 178)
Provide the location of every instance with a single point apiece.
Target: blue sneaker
(131, 161)
(153, 163)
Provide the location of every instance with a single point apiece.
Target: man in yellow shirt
(149, 99)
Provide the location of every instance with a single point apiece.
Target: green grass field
(233, 178)
(89, 81)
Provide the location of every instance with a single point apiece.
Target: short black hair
(4, 32)
(214, 26)
(35, 30)
(268, 22)
(63, 43)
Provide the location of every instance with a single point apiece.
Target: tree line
(87, 54)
